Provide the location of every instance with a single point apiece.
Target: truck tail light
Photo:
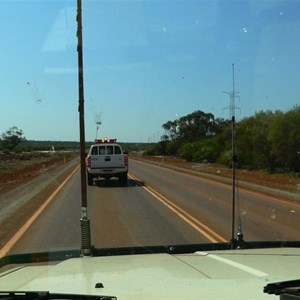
(88, 162)
(126, 161)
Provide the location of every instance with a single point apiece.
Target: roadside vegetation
(21, 158)
(268, 140)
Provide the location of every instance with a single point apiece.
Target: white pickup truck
(106, 160)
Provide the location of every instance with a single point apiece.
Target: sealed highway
(158, 206)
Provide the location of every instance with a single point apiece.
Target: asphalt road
(158, 206)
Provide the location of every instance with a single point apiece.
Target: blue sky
(145, 63)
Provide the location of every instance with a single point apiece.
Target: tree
(193, 127)
(207, 150)
(253, 144)
(284, 136)
(11, 138)
(270, 140)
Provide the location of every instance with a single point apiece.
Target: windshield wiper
(17, 295)
(286, 289)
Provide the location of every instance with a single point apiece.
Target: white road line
(22, 230)
(203, 229)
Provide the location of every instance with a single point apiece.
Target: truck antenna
(235, 243)
(86, 247)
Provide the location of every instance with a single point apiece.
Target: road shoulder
(17, 205)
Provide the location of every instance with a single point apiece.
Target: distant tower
(233, 95)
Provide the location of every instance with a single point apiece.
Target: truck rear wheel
(123, 179)
(90, 179)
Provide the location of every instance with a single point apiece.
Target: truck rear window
(94, 151)
(102, 150)
(106, 150)
(117, 150)
(110, 150)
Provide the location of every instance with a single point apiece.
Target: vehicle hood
(230, 274)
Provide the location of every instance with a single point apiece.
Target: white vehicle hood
(230, 274)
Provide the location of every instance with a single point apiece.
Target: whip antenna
(86, 247)
(235, 243)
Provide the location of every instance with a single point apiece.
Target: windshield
(188, 113)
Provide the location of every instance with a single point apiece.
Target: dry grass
(18, 167)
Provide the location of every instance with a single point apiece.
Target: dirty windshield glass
(192, 110)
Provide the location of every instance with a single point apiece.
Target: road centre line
(203, 229)
(23, 229)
